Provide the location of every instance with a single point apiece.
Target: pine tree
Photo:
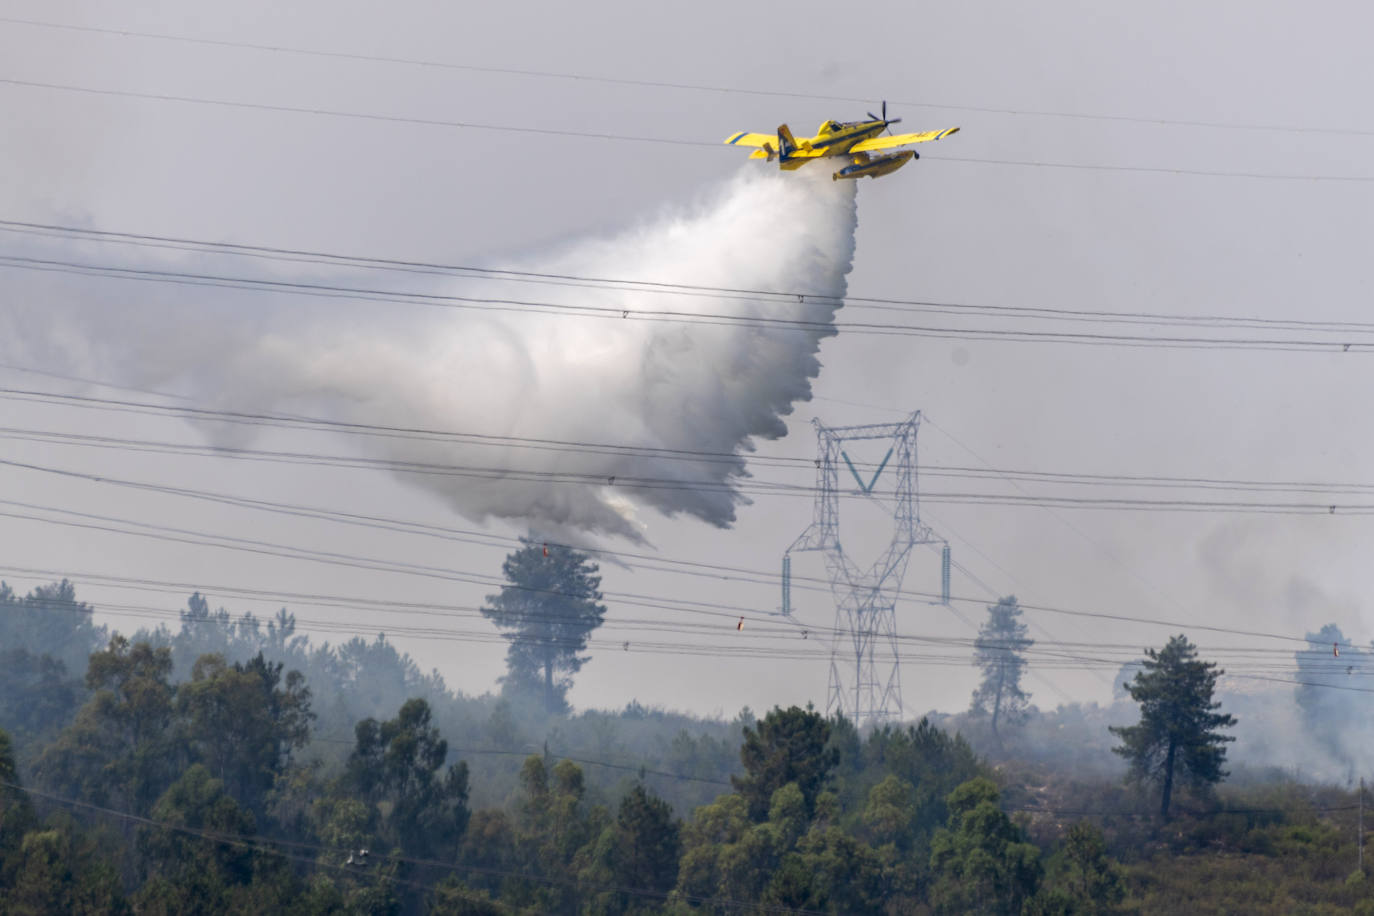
(1178, 735)
(548, 610)
(999, 651)
(648, 843)
(789, 745)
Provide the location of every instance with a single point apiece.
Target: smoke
(680, 393)
(1315, 721)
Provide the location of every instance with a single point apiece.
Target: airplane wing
(899, 140)
(748, 139)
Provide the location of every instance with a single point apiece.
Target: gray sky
(949, 228)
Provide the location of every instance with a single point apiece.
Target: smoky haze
(656, 372)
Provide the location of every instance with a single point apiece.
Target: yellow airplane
(855, 139)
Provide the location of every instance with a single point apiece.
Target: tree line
(172, 779)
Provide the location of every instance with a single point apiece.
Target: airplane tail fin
(787, 144)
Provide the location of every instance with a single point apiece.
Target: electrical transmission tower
(861, 688)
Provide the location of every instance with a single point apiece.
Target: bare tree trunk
(1168, 780)
(997, 704)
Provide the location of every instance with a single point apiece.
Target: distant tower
(861, 687)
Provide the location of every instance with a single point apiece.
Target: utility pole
(1359, 840)
(866, 599)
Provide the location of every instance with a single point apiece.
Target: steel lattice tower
(865, 600)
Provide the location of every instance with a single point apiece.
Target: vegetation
(1000, 651)
(205, 771)
(548, 609)
(1179, 729)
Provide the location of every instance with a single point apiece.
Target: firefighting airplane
(855, 139)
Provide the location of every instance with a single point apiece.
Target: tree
(59, 873)
(36, 696)
(244, 722)
(648, 843)
(50, 621)
(982, 861)
(548, 610)
(789, 746)
(726, 856)
(398, 762)
(1178, 735)
(999, 651)
(1083, 878)
(120, 748)
(191, 872)
(16, 814)
(890, 813)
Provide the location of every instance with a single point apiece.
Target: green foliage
(37, 698)
(928, 762)
(719, 856)
(982, 862)
(789, 746)
(120, 749)
(890, 814)
(244, 722)
(825, 819)
(398, 764)
(831, 871)
(55, 874)
(1179, 730)
(16, 814)
(50, 621)
(548, 610)
(647, 842)
(1000, 651)
(453, 898)
(1081, 877)
(198, 872)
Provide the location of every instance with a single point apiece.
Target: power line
(1039, 657)
(677, 289)
(639, 483)
(663, 84)
(631, 138)
(825, 327)
(762, 625)
(372, 521)
(1182, 625)
(717, 609)
(429, 434)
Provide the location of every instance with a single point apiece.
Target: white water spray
(620, 375)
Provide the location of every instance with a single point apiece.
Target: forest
(233, 765)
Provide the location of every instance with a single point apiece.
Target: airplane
(855, 139)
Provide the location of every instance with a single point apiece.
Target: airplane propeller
(886, 123)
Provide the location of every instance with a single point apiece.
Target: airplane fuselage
(836, 138)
